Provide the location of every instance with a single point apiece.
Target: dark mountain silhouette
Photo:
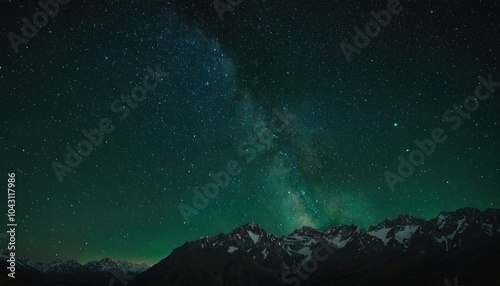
(455, 248)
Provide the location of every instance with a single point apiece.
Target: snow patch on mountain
(442, 239)
(305, 251)
(404, 235)
(339, 242)
(462, 225)
(296, 237)
(255, 237)
(441, 220)
(265, 253)
(381, 234)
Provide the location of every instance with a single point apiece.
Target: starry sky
(218, 85)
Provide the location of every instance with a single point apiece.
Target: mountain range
(455, 248)
(69, 272)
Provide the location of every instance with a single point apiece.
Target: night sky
(218, 84)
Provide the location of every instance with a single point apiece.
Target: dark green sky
(225, 80)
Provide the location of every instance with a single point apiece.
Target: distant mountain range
(455, 248)
(70, 272)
